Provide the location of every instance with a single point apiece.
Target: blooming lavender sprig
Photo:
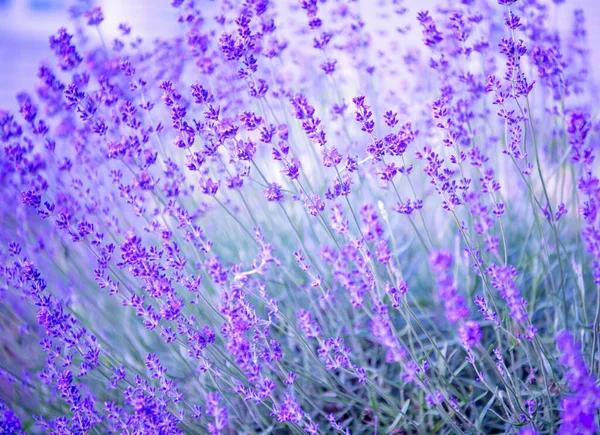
(578, 409)
(196, 232)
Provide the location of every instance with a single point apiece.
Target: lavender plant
(289, 219)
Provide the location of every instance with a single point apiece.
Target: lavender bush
(288, 219)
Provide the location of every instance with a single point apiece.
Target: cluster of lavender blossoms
(297, 217)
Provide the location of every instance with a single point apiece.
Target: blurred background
(25, 26)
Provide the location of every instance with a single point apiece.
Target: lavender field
(303, 217)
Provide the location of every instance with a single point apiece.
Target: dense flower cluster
(290, 218)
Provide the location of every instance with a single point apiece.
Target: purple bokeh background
(25, 26)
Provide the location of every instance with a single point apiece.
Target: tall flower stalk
(290, 217)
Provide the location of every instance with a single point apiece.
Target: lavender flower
(469, 333)
(578, 410)
(456, 309)
(196, 234)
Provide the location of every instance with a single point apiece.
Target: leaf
(399, 416)
(485, 410)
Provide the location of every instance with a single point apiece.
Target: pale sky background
(25, 26)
